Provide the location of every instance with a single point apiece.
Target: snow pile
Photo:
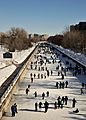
(7, 66)
(77, 56)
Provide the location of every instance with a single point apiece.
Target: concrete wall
(13, 87)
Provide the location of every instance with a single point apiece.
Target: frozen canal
(26, 102)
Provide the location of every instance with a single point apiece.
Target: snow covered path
(26, 108)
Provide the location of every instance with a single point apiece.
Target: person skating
(63, 99)
(51, 72)
(43, 95)
(63, 85)
(47, 93)
(15, 106)
(55, 105)
(45, 76)
(83, 85)
(46, 104)
(74, 101)
(38, 76)
(60, 85)
(40, 104)
(13, 110)
(31, 79)
(66, 84)
(62, 76)
(35, 94)
(57, 85)
(48, 73)
(66, 99)
(36, 105)
(27, 90)
(76, 111)
(34, 75)
(82, 91)
(59, 101)
(41, 76)
(62, 103)
(28, 86)
(31, 74)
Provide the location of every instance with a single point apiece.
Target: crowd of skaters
(61, 84)
(40, 65)
(59, 103)
(38, 76)
(76, 70)
(43, 94)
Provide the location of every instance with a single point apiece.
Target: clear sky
(41, 16)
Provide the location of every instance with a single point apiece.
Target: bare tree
(17, 39)
(72, 40)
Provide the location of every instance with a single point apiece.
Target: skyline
(41, 16)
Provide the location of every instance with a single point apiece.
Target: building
(81, 27)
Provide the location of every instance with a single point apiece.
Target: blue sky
(41, 16)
